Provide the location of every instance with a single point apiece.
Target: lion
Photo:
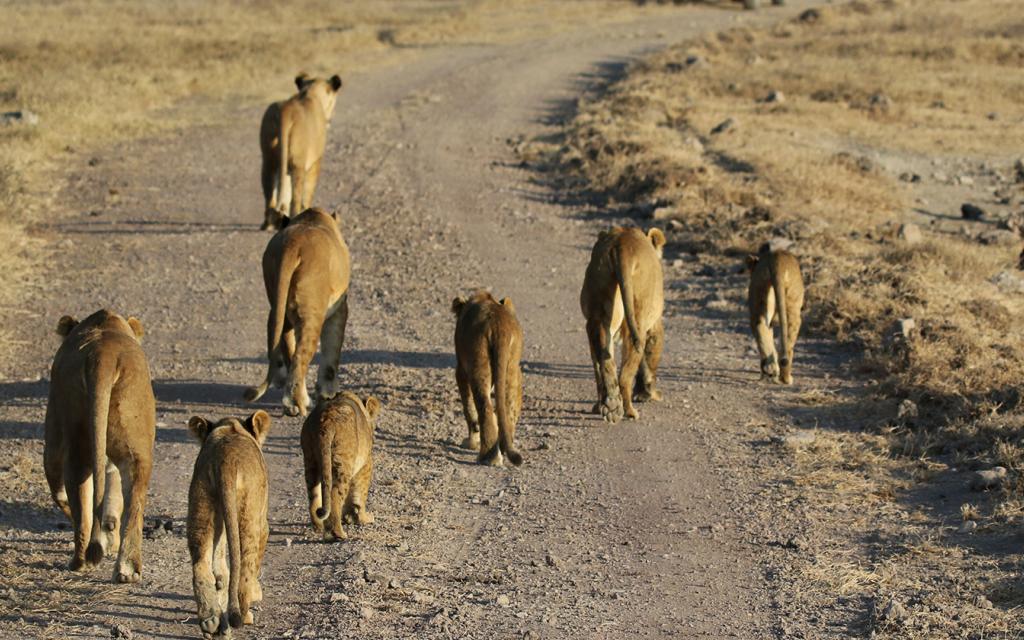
(227, 526)
(293, 134)
(337, 451)
(623, 297)
(99, 434)
(306, 274)
(776, 293)
(488, 346)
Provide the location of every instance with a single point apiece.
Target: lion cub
(337, 449)
(100, 428)
(776, 293)
(227, 520)
(488, 346)
(306, 275)
(623, 298)
(292, 138)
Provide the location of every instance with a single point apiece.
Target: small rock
(1018, 170)
(906, 327)
(337, 596)
(810, 16)
(907, 410)
(774, 97)
(723, 126)
(992, 116)
(551, 561)
(366, 613)
(1008, 281)
(879, 102)
(795, 440)
(22, 117)
(121, 631)
(910, 177)
(664, 213)
(894, 612)
(967, 181)
(969, 211)
(968, 526)
(998, 237)
(503, 601)
(695, 61)
(988, 479)
(910, 233)
(394, 583)
(675, 225)
(981, 602)
(288, 542)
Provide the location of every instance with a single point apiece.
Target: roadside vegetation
(855, 133)
(76, 75)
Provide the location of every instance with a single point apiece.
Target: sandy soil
(661, 527)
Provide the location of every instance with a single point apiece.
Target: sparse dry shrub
(862, 76)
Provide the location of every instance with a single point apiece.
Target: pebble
(894, 612)
(968, 526)
(907, 410)
(124, 632)
(366, 613)
(795, 440)
(982, 602)
(724, 126)
(774, 97)
(337, 596)
(910, 233)
(503, 601)
(988, 479)
(23, 117)
(969, 211)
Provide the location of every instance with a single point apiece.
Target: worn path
(645, 528)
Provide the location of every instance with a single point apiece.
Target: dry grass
(867, 86)
(862, 78)
(100, 71)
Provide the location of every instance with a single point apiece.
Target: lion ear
(137, 327)
(302, 80)
(507, 303)
(66, 325)
(458, 304)
(258, 424)
(657, 237)
(373, 407)
(335, 82)
(199, 427)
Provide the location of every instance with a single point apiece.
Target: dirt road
(646, 528)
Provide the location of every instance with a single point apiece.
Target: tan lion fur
(100, 429)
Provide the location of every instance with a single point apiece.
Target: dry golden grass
(864, 80)
(864, 76)
(100, 71)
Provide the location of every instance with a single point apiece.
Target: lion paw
(471, 442)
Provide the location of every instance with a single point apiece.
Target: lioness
(306, 274)
(337, 450)
(227, 520)
(623, 297)
(488, 346)
(776, 292)
(292, 138)
(100, 428)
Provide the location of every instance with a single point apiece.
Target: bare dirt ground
(668, 526)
